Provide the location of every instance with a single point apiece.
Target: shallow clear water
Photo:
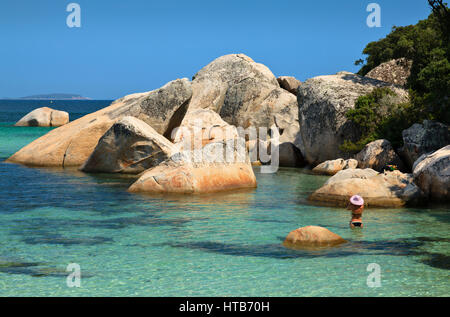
(226, 244)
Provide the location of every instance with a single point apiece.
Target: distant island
(52, 97)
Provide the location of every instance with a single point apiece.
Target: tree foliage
(427, 45)
(378, 115)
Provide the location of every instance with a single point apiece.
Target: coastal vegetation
(427, 45)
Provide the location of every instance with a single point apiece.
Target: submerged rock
(388, 189)
(71, 144)
(129, 146)
(377, 155)
(323, 102)
(44, 117)
(423, 138)
(432, 174)
(312, 236)
(333, 166)
(205, 171)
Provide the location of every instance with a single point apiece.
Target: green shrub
(427, 44)
(378, 115)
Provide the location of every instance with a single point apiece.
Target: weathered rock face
(432, 174)
(312, 236)
(423, 138)
(396, 71)
(323, 102)
(290, 155)
(388, 189)
(44, 117)
(203, 126)
(208, 173)
(129, 146)
(333, 166)
(245, 94)
(289, 83)
(377, 155)
(71, 144)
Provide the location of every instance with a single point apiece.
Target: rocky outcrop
(71, 144)
(129, 146)
(333, 166)
(44, 117)
(245, 94)
(432, 174)
(289, 83)
(205, 171)
(388, 189)
(323, 102)
(312, 236)
(396, 71)
(377, 155)
(423, 138)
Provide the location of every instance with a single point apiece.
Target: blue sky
(130, 46)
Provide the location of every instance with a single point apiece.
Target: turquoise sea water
(226, 244)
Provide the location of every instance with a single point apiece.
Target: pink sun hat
(357, 200)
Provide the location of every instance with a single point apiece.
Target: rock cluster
(73, 143)
(234, 100)
(323, 103)
(388, 189)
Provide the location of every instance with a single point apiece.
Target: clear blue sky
(127, 46)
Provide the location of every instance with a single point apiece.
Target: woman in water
(356, 205)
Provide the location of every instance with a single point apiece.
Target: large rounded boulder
(423, 138)
(44, 117)
(432, 174)
(377, 155)
(218, 166)
(312, 236)
(323, 103)
(129, 146)
(388, 189)
(245, 94)
(70, 145)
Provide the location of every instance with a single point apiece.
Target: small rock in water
(312, 236)
(44, 117)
